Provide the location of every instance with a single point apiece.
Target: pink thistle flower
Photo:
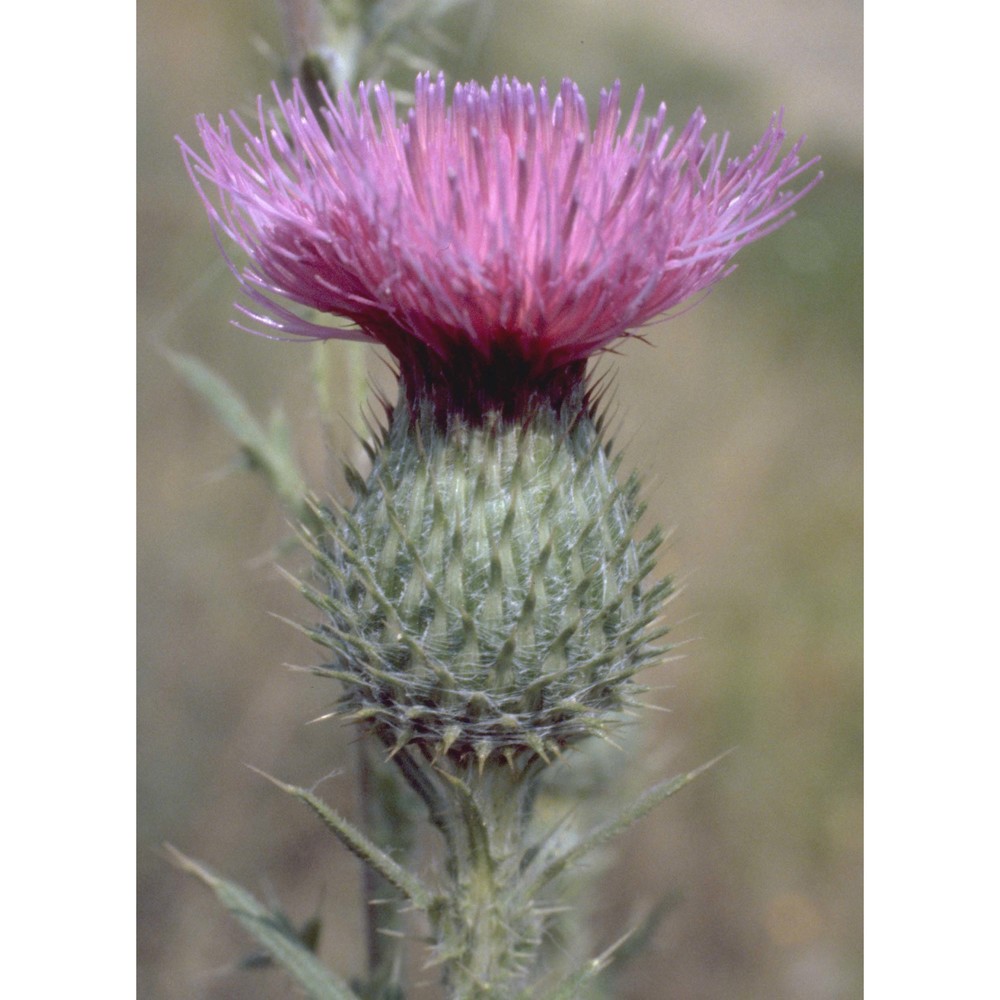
(499, 237)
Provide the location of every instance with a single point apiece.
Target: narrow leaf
(272, 931)
(267, 451)
(357, 843)
(599, 836)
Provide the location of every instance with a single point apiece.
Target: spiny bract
(485, 594)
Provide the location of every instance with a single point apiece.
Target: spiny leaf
(272, 931)
(357, 843)
(646, 802)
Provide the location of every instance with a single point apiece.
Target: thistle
(484, 600)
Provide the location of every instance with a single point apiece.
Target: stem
(382, 914)
(489, 931)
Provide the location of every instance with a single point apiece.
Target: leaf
(267, 451)
(646, 802)
(308, 934)
(357, 843)
(272, 931)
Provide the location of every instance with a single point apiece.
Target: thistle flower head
(485, 596)
(489, 242)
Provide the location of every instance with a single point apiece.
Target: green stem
(383, 915)
(489, 931)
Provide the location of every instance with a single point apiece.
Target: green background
(744, 416)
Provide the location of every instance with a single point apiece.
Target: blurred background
(744, 415)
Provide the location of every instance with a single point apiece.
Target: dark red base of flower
(472, 386)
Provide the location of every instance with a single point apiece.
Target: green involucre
(485, 595)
